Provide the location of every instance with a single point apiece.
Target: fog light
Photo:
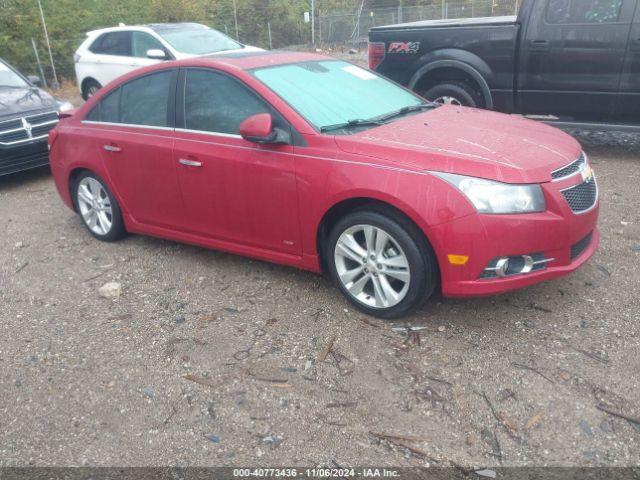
(502, 267)
(515, 265)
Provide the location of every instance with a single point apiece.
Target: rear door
(572, 55)
(628, 106)
(133, 131)
(112, 55)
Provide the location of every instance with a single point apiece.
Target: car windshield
(9, 78)
(198, 40)
(337, 96)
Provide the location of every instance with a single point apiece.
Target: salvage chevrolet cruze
(308, 161)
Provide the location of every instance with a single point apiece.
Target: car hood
(467, 141)
(16, 102)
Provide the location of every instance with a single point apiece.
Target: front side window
(583, 11)
(143, 42)
(113, 43)
(196, 39)
(214, 102)
(10, 79)
(142, 101)
(333, 92)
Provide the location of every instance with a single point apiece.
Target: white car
(110, 52)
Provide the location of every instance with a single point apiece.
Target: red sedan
(308, 161)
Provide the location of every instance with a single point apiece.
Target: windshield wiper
(350, 124)
(407, 109)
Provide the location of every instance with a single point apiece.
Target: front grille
(23, 157)
(579, 247)
(13, 132)
(582, 197)
(570, 169)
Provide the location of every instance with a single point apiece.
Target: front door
(571, 57)
(133, 130)
(233, 190)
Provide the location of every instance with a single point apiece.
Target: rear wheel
(384, 267)
(90, 88)
(98, 208)
(452, 94)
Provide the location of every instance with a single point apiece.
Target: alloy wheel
(447, 100)
(372, 266)
(95, 206)
(92, 90)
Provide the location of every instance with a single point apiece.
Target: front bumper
(24, 156)
(483, 238)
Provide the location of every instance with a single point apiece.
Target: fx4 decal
(404, 47)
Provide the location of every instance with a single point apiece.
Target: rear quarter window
(108, 110)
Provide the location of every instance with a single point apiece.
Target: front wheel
(383, 266)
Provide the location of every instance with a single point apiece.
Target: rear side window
(143, 101)
(108, 110)
(114, 43)
(142, 42)
(583, 11)
(217, 103)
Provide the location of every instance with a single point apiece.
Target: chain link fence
(255, 23)
(352, 27)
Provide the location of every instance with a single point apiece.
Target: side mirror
(34, 79)
(156, 54)
(259, 129)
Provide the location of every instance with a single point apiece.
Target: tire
(90, 88)
(404, 262)
(98, 208)
(452, 93)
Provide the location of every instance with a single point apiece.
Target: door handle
(190, 163)
(112, 148)
(539, 45)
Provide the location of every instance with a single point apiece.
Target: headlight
(496, 197)
(64, 106)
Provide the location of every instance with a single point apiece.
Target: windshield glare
(199, 41)
(9, 78)
(332, 92)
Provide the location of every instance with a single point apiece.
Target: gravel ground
(212, 359)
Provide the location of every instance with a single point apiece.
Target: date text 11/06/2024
(316, 472)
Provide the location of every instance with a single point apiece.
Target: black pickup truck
(577, 60)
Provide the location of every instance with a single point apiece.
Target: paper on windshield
(359, 72)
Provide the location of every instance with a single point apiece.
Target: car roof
(254, 59)
(146, 27)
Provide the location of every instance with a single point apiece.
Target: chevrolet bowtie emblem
(587, 174)
(27, 126)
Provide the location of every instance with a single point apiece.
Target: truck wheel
(451, 94)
